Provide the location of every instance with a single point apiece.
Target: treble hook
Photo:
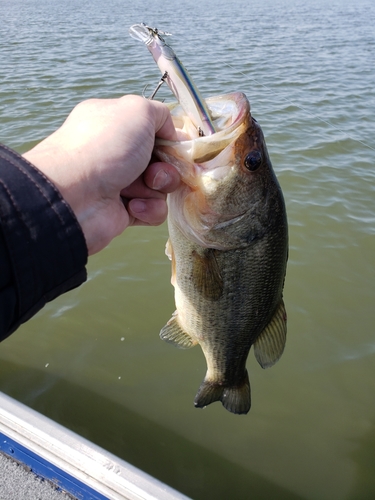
(162, 80)
(157, 32)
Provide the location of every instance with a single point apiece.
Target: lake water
(92, 360)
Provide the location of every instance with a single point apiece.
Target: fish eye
(253, 160)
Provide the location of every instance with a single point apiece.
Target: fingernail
(161, 179)
(138, 206)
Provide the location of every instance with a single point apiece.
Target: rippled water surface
(92, 359)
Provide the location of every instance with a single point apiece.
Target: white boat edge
(99, 470)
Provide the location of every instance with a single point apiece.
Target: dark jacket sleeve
(43, 251)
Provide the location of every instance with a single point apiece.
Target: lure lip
(141, 32)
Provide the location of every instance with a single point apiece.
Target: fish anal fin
(174, 334)
(206, 274)
(270, 344)
(236, 399)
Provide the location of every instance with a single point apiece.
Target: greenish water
(92, 359)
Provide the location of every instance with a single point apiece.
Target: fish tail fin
(208, 393)
(236, 399)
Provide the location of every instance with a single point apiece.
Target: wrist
(53, 164)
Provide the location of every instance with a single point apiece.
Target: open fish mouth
(228, 114)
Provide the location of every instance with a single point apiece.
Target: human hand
(101, 161)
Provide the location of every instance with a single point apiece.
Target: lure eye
(253, 160)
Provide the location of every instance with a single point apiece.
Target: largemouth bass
(228, 243)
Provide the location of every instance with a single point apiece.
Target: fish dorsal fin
(206, 274)
(270, 344)
(174, 334)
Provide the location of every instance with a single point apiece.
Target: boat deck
(17, 482)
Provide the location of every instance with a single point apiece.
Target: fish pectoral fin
(206, 274)
(236, 399)
(168, 249)
(169, 252)
(174, 334)
(270, 344)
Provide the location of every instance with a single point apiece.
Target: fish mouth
(230, 114)
(227, 111)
